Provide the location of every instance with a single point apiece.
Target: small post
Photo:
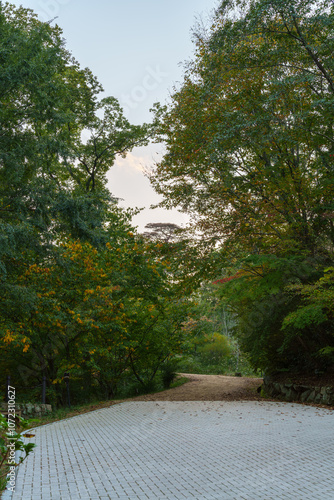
(7, 388)
(67, 380)
(44, 390)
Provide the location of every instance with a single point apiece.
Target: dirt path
(209, 388)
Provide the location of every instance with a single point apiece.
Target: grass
(178, 382)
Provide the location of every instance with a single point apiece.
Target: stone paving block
(182, 451)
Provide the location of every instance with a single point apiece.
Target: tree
(57, 142)
(261, 296)
(101, 313)
(109, 136)
(46, 101)
(51, 179)
(249, 134)
(249, 154)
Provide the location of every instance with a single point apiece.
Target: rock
(29, 407)
(37, 409)
(277, 387)
(298, 392)
(291, 395)
(301, 388)
(318, 398)
(304, 396)
(311, 396)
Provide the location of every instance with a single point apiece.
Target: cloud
(140, 159)
(132, 162)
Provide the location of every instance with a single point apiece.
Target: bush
(215, 349)
(168, 373)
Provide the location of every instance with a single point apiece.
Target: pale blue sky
(135, 48)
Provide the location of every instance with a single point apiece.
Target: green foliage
(281, 322)
(314, 315)
(214, 349)
(249, 154)
(211, 345)
(52, 181)
(168, 372)
(80, 291)
(249, 144)
(98, 314)
(11, 441)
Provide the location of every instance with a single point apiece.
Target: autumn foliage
(81, 292)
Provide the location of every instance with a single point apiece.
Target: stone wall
(297, 392)
(29, 410)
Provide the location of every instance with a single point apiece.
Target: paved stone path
(184, 450)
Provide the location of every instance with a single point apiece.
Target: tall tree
(250, 149)
(249, 135)
(57, 142)
(51, 178)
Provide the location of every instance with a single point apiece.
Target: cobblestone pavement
(184, 450)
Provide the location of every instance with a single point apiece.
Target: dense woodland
(248, 286)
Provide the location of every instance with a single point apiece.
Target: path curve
(210, 388)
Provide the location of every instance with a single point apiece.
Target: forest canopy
(81, 291)
(249, 155)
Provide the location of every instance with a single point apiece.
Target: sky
(136, 49)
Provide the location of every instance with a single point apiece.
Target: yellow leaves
(26, 344)
(36, 269)
(74, 246)
(9, 337)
